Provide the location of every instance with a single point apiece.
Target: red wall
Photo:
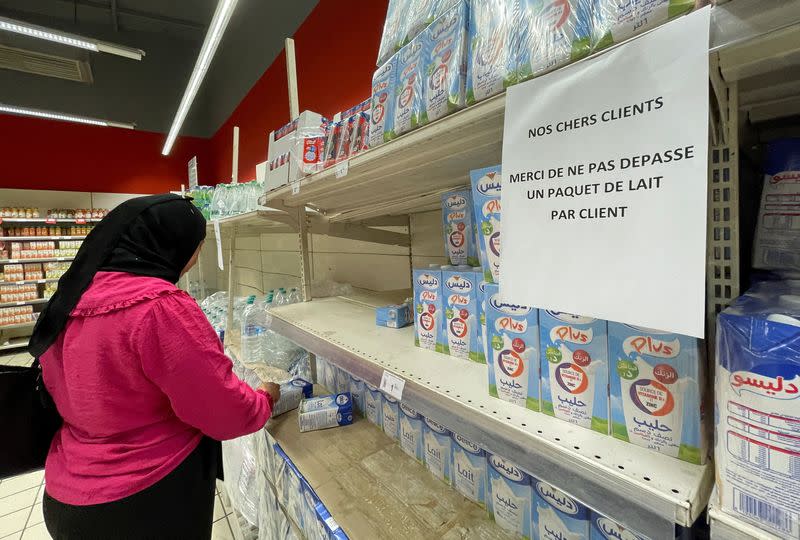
(335, 54)
(45, 154)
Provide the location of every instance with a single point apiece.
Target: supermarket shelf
(16, 343)
(26, 261)
(48, 221)
(38, 238)
(24, 303)
(29, 281)
(649, 492)
(17, 326)
(258, 221)
(724, 526)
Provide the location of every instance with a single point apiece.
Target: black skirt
(181, 505)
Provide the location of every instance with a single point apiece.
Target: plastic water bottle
(280, 297)
(254, 328)
(294, 296)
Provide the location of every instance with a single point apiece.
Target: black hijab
(151, 236)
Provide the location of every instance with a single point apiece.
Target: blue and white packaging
(656, 382)
(437, 446)
(458, 226)
(358, 390)
(757, 393)
(411, 432)
(552, 33)
(394, 29)
(381, 116)
(510, 496)
(604, 528)
(394, 316)
(616, 21)
(460, 297)
(513, 334)
(420, 14)
(373, 405)
(326, 374)
(391, 416)
(492, 52)
(342, 381)
(292, 393)
(574, 369)
(428, 310)
(557, 516)
(470, 476)
(409, 86)
(446, 71)
(483, 344)
(326, 412)
(486, 186)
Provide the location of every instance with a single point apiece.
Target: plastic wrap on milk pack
(437, 450)
(391, 416)
(617, 20)
(381, 116)
(446, 71)
(428, 310)
(757, 392)
(409, 95)
(483, 341)
(604, 528)
(458, 225)
(492, 55)
(326, 412)
(777, 242)
(557, 516)
(486, 185)
(358, 390)
(394, 316)
(513, 334)
(470, 476)
(292, 393)
(342, 381)
(510, 496)
(394, 29)
(656, 382)
(460, 299)
(574, 368)
(411, 432)
(552, 33)
(420, 14)
(373, 405)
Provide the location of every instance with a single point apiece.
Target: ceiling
(171, 33)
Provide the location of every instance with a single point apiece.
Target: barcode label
(763, 511)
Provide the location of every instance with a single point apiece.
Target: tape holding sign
(604, 200)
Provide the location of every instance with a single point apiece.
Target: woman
(141, 381)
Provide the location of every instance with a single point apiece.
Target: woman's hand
(273, 390)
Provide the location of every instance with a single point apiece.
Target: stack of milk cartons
(615, 21)
(446, 56)
(295, 149)
(492, 59)
(326, 412)
(757, 392)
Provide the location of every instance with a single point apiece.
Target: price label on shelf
(50, 221)
(295, 187)
(342, 168)
(20, 303)
(60, 259)
(392, 385)
(80, 221)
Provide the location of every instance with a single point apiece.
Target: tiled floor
(15, 358)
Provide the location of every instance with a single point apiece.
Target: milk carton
(616, 21)
(411, 432)
(420, 15)
(373, 405)
(510, 496)
(325, 412)
(557, 516)
(342, 381)
(492, 57)
(446, 71)
(460, 297)
(394, 29)
(604, 528)
(381, 116)
(656, 380)
(437, 450)
(513, 334)
(391, 416)
(292, 393)
(486, 186)
(574, 368)
(458, 228)
(358, 392)
(428, 310)
(552, 34)
(757, 391)
(469, 469)
(409, 93)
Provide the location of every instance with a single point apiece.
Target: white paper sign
(193, 173)
(604, 190)
(392, 385)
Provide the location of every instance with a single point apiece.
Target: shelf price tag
(50, 221)
(80, 221)
(342, 168)
(295, 187)
(392, 385)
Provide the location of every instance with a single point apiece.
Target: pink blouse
(139, 377)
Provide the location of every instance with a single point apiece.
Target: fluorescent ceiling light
(218, 24)
(23, 111)
(64, 38)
